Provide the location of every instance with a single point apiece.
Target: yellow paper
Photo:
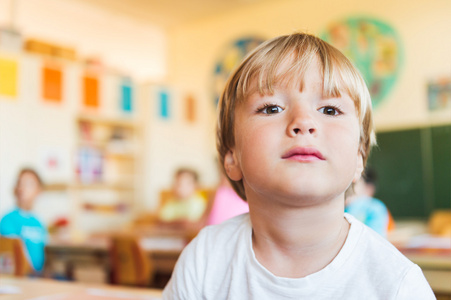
(8, 77)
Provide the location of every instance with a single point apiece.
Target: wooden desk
(67, 257)
(47, 289)
(436, 266)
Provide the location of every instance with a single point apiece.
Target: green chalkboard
(398, 164)
(441, 162)
(413, 170)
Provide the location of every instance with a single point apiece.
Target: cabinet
(106, 172)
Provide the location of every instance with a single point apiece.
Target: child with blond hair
(294, 132)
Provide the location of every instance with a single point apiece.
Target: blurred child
(226, 204)
(294, 132)
(364, 207)
(187, 206)
(22, 223)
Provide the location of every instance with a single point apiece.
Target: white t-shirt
(220, 264)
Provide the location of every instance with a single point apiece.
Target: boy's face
(296, 145)
(26, 191)
(185, 185)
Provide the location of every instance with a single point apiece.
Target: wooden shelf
(103, 147)
(107, 165)
(55, 187)
(103, 186)
(107, 121)
(121, 156)
(90, 186)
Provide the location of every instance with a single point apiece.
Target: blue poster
(126, 96)
(164, 104)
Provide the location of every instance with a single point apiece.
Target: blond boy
(295, 131)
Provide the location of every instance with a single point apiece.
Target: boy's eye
(329, 110)
(271, 109)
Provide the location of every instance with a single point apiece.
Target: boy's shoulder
(227, 228)
(375, 260)
(374, 250)
(221, 237)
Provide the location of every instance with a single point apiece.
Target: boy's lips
(303, 154)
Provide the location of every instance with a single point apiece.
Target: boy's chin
(308, 197)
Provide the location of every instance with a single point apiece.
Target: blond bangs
(285, 63)
(275, 64)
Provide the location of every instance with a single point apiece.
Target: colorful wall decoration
(374, 47)
(229, 60)
(52, 83)
(439, 94)
(8, 77)
(164, 104)
(90, 91)
(126, 95)
(190, 109)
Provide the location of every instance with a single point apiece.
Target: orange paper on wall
(91, 92)
(52, 84)
(190, 106)
(8, 77)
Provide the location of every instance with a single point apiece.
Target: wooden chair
(13, 260)
(130, 264)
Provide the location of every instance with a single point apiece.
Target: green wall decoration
(375, 49)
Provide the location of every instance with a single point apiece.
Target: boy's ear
(359, 168)
(232, 167)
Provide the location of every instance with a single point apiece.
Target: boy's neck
(296, 242)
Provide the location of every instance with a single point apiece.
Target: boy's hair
(260, 71)
(369, 176)
(32, 172)
(192, 172)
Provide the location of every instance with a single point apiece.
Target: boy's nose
(302, 122)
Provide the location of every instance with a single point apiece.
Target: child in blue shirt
(22, 223)
(364, 207)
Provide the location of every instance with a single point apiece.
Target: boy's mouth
(303, 154)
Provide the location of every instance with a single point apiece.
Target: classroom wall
(424, 28)
(32, 128)
(29, 127)
(131, 46)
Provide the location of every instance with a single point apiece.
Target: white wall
(133, 47)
